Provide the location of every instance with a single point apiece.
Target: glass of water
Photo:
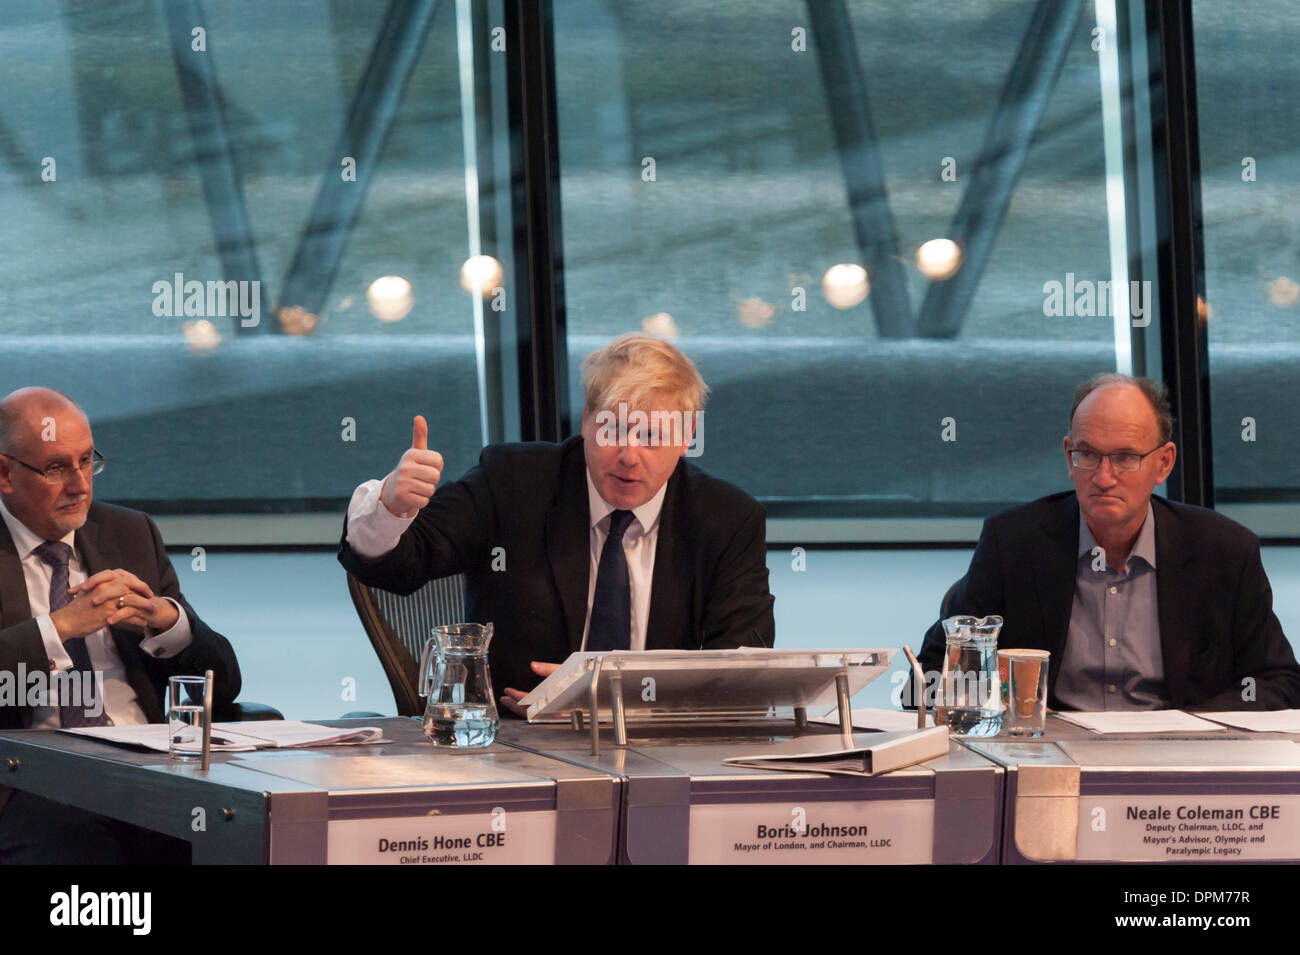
(185, 717)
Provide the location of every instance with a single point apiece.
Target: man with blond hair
(609, 540)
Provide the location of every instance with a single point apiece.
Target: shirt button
(1114, 590)
(1112, 688)
(1113, 641)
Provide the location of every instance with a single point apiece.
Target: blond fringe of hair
(634, 367)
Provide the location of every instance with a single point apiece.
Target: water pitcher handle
(422, 674)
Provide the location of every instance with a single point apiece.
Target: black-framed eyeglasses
(1119, 460)
(57, 473)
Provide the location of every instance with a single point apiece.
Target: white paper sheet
(240, 737)
(1141, 721)
(1267, 721)
(868, 718)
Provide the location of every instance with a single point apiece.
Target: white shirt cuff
(171, 641)
(373, 530)
(59, 658)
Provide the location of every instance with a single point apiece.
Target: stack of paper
(1141, 721)
(1259, 721)
(869, 718)
(240, 737)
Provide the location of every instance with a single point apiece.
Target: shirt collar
(647, 515)
(1144, 546)
(25, 539)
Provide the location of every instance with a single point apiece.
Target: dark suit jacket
(113, 537)
(709, 589)
(1217, 624)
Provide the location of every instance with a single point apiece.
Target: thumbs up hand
(411, 484)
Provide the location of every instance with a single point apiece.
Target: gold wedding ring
(121, 601)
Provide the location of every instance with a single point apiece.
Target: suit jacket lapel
(1054, 574)
(99, 551)
(14, 606)
(666, 628)
(1176, 610)
(96, 554)
(568, 544)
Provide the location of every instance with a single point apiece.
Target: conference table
(683, 804)
(539, 795)
(400, 801)
(1217, 796)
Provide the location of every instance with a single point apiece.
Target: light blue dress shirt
(1112, 658)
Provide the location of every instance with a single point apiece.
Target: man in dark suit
(87, 596)
(609, 540)
(1142, 603)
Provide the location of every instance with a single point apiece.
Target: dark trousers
(39, 831)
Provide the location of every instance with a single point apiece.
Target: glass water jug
(461, 710)
(970, 700)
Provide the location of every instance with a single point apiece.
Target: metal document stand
(672, 687)
(1075, 796)
(682, 804)
(335, 804)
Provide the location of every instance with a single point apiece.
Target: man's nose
(1105, 474)
(78, 482)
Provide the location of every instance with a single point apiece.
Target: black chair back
(398, 628)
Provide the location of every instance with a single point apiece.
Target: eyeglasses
(1119, 460)
(57, 473)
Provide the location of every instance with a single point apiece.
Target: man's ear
(6, 475)
(1069, 468)
(1167, 463)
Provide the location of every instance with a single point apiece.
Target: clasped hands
(111, 598)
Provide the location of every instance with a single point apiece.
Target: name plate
(488, 838)
(899, 831)
(1189, 828)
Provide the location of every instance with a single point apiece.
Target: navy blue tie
(611, 610)
(57, 554)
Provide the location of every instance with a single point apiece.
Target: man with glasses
(87, 598)
(1142, 603)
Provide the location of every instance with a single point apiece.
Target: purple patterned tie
(57, 554)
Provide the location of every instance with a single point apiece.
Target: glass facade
(719, 161)
(1248, 107)
(299, 151)
(202, 201)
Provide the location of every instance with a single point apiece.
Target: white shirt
(373, 531)
(120, 701)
